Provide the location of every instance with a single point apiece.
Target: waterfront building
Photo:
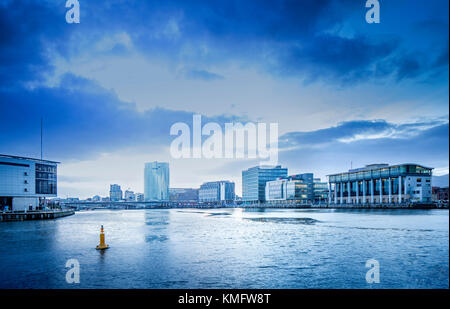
(139, 197)
(115, 193)
(183, 194)
(298, 189)
(156, 181)
(320, 191)
(217, 191)
(129, 196)
(440, 194)
(96, 198)
(25, 183)
(381, 184)
(254, 181)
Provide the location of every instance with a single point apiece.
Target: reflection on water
(230, 248)
(285, 220)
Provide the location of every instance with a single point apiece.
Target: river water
(230, 248)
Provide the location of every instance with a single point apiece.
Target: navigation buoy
(102, 244)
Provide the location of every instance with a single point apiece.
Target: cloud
(82, 119)
(351, 131)
(428, 147)
(281, 37)
(203, 75)
(332, 57)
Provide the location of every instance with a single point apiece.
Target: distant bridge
(143, 205)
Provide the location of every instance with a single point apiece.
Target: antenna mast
(41, 137)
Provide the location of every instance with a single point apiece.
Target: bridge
(143, 205)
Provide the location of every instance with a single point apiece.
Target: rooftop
(26, 158)
(377, 166)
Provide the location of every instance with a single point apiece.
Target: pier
(7, 216)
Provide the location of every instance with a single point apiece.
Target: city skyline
(343, 92)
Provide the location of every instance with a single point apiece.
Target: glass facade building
(254, 181)
(297, 189)
(26, 182)
(320, 191)
(217, 191)
(382, 184)
(156, 181)
(45, 179)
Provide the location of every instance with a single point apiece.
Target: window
(25, 190)
(25, 174)
(25, 181)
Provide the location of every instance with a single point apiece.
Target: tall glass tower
(254, 181)
(156, 181)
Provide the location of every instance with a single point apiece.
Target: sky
(344, 93)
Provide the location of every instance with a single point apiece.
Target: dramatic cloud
(82, 119)
(114, 84)
(352, 131)
(336, 149)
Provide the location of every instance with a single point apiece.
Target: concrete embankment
(34, 215)
(348, 206)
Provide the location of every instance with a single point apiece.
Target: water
(231, 248)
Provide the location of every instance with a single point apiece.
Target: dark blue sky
(342, 91)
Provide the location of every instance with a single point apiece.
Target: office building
(320, 192)
(140, 197)
(156, 181)
(217, 191)
(129, 196)
(298, 189)
(254, 181)
(183, 194)
(381, 184)
(25, 183)
(115, 193)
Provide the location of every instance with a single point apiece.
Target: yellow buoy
(102, 244)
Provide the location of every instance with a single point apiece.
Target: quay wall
(8, 216)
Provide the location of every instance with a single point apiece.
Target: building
(115, 193)
(254, 181)
(381, 184)
(320, 192)
(25, 183)
(298, 189)
(308, 180)
(440, 194)
(129, 196)
(217, 191)
(156, 181)
(183, 194)
(96, 198)
(140, 197)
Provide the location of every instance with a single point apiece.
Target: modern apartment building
(382, 184)
(129, 196)
(25, 183)
(254, 181)
(156, 181)
(140, 197)
(115, 193)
